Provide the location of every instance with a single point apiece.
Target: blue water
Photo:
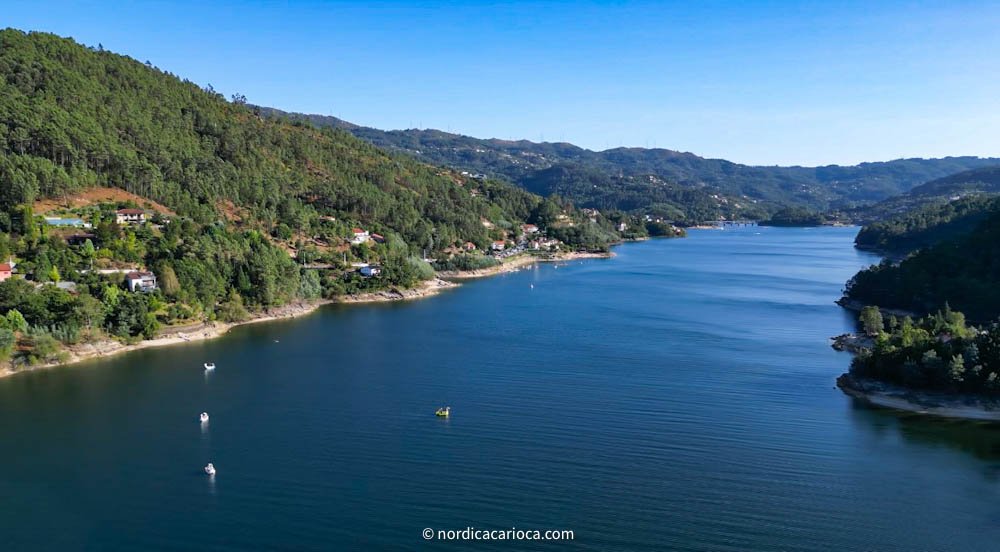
(677, 397)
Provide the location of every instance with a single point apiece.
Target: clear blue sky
(755, 82)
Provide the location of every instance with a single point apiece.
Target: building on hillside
(6, 271)
(369, 271)
(498, 245)
(529, 228)
(143, 281)
(469, 246)
(377, 238)
(73, 222)
(359, 236)
(66, 285)
(622, 226)
(130, 216)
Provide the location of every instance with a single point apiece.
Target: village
(354, 253)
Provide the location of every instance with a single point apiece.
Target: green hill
(242, 208)
(634, 179)
(926, 225)
(962, 271)
(983, 181)
(73, 117)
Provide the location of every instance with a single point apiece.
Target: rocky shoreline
(853, 343)
(516, 263)
(424, 289)
(210, 330)
(884, 395)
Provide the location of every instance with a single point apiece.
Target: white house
(498, 245)
(359, 236)
(140, 281)
(369, 271)
(622, 226)
(130, 216)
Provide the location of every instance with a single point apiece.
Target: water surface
(679, 396)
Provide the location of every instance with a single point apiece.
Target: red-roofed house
(529, 228)
(378, 238)
(498, 245)
(6, 271)
(360, 235)
(140, 281)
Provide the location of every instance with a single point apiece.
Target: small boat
(210, 469)
(209, 366)
(203, 417)
(443, 411)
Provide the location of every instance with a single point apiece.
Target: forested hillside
(977, 182)
(927, 224)
(73, 117)
(142, 175)
(634, 179)
(962, 271)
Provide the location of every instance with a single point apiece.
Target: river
(679, 396)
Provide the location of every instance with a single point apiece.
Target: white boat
(203, 417)
(210, 366)
(210, 469)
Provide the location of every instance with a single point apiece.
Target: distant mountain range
(948, 233)
(678, 185)
(932, 195)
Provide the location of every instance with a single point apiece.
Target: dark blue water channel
(677, 397)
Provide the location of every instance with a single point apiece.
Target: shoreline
(854, 305)
(516, 263)
(205, 331)
(884, 395)
(894, 397)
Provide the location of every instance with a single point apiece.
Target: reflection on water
(979, 439)
(678, 397)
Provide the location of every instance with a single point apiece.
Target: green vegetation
(871, 321)
(73, 118)
(927, 225)
(659, 229)
(954, 248)
(794, 216)
(246, 213)
(678, 186)
(939, 352)
(931, 196)
(963, 271)
(467, 261)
